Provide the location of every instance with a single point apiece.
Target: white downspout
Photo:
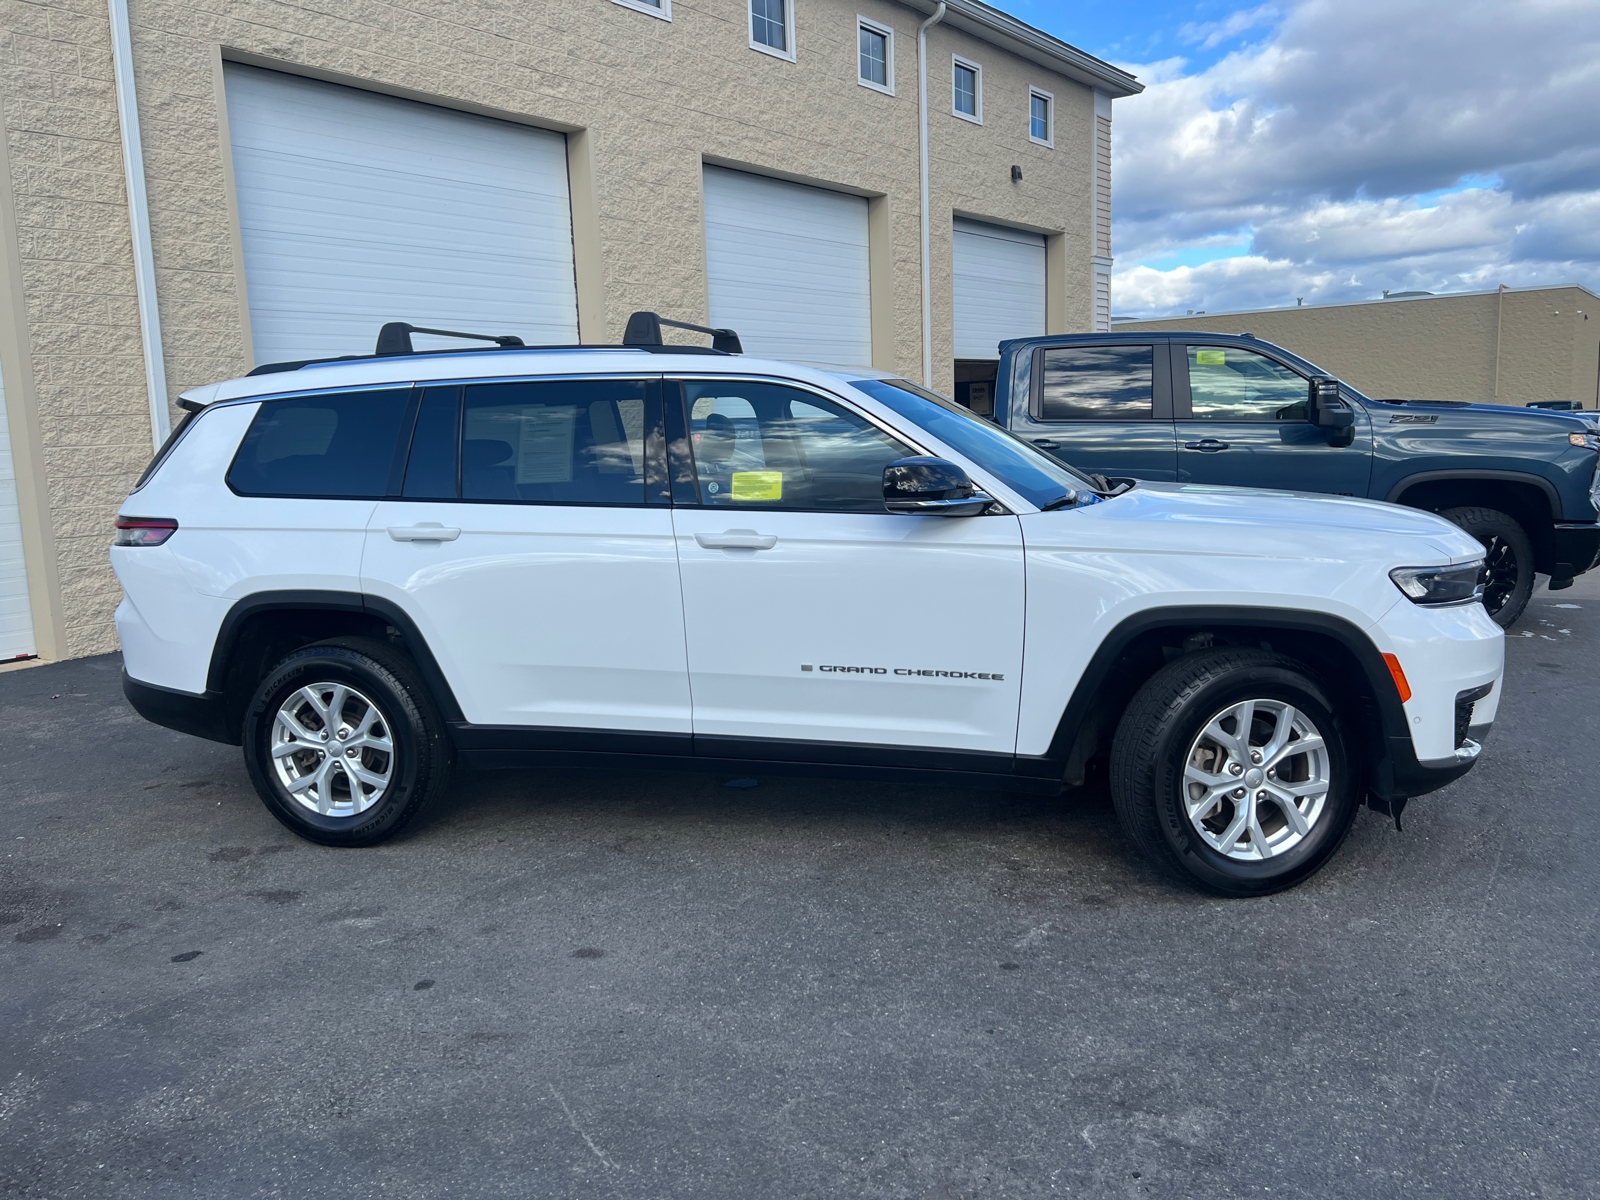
(144, 264)
(922, 107)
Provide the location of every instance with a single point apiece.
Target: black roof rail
(644, 331)
(395, 338)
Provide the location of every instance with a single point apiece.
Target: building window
(656, 8)
(967, 101)
(875, 55)
(772, 28)
(1041, 117)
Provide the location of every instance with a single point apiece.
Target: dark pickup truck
(1230, 409)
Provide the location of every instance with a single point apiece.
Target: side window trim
(1182, 399)
(1161, 381)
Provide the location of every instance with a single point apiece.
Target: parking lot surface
(581, 984)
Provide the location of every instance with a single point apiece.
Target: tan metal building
(188, 189)
(1509, 346)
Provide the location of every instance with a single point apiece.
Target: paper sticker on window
(1211, 358)
(757, 485)
(544, 449)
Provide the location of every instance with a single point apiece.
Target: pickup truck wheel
(1230, 768)
(1508, 560)
(344, 744)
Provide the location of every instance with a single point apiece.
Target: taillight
(144, 531)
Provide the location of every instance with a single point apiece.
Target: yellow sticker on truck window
(757, 485)
(1210, 358)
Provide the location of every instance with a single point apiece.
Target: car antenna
(395, 338)
(644, 330)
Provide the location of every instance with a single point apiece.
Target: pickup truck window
(1230, 384)
(1034, 475)
(1097, 383)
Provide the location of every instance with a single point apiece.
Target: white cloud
(1314, 147)
(1214, 33)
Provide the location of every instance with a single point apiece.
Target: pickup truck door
(812, 614)
(1242, 419)
(1103, 408)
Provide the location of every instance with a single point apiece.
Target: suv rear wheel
(343, 743)
(1231, 769)
(1508, 560)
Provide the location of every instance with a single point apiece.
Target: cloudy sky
(1329, 149)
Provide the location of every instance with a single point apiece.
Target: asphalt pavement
(574, 984)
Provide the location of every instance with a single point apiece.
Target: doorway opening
(975, 384)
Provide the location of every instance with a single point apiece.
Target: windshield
(1040, 479)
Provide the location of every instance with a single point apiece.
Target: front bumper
(1576, 550)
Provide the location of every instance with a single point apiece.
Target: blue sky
(1331, 149)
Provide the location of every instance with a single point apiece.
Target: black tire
(1152, 746)
(1508, 565)
(421, 759)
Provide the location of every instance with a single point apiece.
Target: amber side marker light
(1399, 677)
(144, 531)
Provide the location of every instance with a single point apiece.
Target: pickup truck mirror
(933, 486)
(1328, 411)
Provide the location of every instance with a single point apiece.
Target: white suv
(366, 570)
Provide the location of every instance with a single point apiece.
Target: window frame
(1161, 386)
(887, 87)
(787, 55)
(402, 448)
(1049, 140)
(684, 471)
(661, 11)
(1183, 390)
(976, 116)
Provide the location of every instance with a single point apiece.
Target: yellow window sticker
(1211, 358)
(757, 485)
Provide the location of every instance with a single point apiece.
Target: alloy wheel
(1500, 570)
(1256, 779)
(332, 750)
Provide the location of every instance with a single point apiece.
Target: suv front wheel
(1231, 769)
(344, 744)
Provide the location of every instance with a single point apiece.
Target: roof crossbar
(395, 338)
(644, 331)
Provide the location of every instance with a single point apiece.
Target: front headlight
(1460, 584)
(1586, 441)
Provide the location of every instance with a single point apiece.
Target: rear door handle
(1206, 445)
(425, 531)
(1046, 444)
(736, 539)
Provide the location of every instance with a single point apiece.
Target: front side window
(769, 24)
(1230, 384)
(1097, 383)
(968, 98)
(764, 445)
(338, 446)
(874, 52)
(1039, 118)
(554, 442)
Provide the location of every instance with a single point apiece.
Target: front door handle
(424, 531)
(1206, 445)
(736, 539)
(1046, 444)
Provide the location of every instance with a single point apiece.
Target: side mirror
(930, 486)
(1328, 411)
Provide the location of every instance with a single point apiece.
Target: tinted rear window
(339, 446)
(1097, 383)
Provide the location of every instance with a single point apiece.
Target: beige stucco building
(189, 188)
(1510, 346)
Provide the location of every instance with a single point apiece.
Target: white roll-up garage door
(16, 617)
(357, 208)
(788, 268)
(999, 287)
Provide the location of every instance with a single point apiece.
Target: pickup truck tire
(344, 744)
(1508, 560)
(1234, 835)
